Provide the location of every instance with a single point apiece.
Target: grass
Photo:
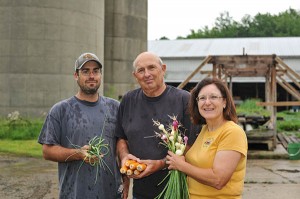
(28, 148)
(19, 135)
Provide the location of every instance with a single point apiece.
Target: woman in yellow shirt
(216, 162)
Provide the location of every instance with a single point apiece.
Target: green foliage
(290, 122)
(285, 24)
(286, 121)
(20, 129)
(249, 107)
(288, 126)
(164, 38)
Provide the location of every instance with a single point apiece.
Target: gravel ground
(23, 177)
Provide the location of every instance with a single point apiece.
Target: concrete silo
(39, 42)
(125, 38)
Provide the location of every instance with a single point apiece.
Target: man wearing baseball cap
(70, 126)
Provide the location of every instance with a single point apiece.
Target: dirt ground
(22, 178)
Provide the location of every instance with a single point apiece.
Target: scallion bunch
(97, 150)
(175, 141)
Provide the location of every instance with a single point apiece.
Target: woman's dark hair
(229, 112)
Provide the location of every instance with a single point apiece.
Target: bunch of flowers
(172, 138)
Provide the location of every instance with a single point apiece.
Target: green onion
(173, 139)
(98, 149)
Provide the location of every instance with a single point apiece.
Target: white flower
(172, 132)
(178, 145)
(161, 127)
(179, 138)
(15, 115)
(182, 147)
(178, 152)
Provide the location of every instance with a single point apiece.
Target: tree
(285, 24)
(164, 38)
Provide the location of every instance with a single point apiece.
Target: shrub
(286, 120)
(290, 122)
(15, 127)
(249, 107)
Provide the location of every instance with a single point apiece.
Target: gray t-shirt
(71, 123)
(135, 124)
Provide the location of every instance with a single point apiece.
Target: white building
(182, 57)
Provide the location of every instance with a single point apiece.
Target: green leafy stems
(97, 150)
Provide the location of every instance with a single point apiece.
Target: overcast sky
(172, 18)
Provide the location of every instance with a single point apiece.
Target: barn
(263, 68)
(182, 58)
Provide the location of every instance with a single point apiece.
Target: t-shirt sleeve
(234, 138)
(51, 129)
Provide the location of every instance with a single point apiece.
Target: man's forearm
(60, 154)
(122, 148)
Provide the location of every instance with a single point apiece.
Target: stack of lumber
(285, 139)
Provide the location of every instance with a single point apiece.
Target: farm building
(264, 68)
(182, 57)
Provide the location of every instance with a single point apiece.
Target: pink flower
(175, 124)
(185, 140)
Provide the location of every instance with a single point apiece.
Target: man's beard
(88, 91)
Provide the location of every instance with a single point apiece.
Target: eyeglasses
(87, 72)
(211, 98)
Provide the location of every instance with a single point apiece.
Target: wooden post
(274, 99)
(214, 71)
(230, 86)
(219, 71)
(267, 90)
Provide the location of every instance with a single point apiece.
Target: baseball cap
(85, 57)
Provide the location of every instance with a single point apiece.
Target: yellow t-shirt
(229, 136)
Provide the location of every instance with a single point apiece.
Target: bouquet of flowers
(175, 141)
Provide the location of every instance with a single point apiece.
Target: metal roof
(281, 46)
